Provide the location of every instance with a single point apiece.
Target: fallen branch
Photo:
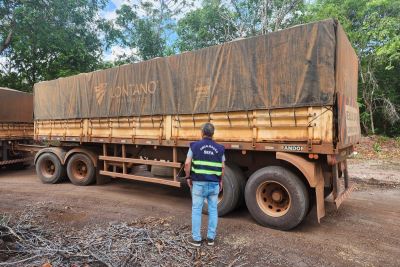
(147, 242)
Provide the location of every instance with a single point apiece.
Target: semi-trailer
(16, 127)
(284, 105)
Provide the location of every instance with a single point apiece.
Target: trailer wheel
(49, 169)
(240, 177)
(277, 198)
(229, 197)
(81, 170)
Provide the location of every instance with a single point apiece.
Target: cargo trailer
(284, 105)
(16, 127)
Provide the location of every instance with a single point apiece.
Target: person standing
(204, 169)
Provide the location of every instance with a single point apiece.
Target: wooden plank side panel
(279, 125)
(144, 127)
(283, 124)
(276, 125)
(16, 130)
(58, 129)
(324, 125)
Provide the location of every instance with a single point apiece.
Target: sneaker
(210, 242)
(194, 243)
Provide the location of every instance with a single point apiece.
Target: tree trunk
(6, 42)
(371, 117)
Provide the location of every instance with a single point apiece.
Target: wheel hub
(273, 198)
(277, 196)
(48, 168)
(80, 169)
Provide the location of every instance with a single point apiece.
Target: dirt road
(364, 232)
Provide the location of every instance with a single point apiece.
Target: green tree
(139, 33)
(253, 17)
(7, 23)
(145, 27)
(220, 21)
(206, 26)
(49, 39)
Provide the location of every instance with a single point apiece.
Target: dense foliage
(41, 40)
(373, 27)
(47, 39)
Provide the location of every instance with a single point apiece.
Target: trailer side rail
(115, 161)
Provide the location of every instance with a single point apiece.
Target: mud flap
(339, 195)
(319, 194)
(314, 176)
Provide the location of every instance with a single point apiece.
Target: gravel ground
(365, 231)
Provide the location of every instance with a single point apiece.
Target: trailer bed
(15, 131)
(307, 130)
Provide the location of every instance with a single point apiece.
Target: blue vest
(206, 161)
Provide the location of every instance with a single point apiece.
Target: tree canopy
(373, 27)
(48, 39)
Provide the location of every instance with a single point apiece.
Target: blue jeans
(200, 192)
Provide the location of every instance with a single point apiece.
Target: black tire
(285, 213)
(230, 197)
(49, 168)
(240, 177)
(162, 171)
(81, 170)
(139, 169)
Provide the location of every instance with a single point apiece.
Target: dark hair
(208, 129)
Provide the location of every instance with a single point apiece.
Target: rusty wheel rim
(273, 198)
(79, 169)
(48, 168)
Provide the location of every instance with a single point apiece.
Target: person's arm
(188, 166)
